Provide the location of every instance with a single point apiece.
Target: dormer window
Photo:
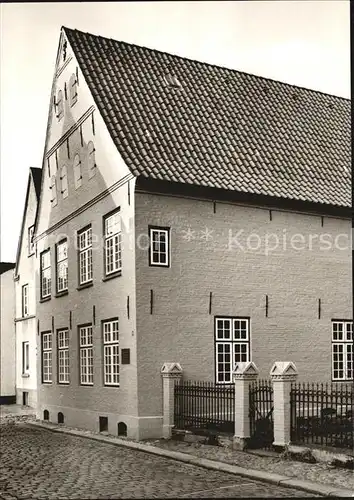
(53, 189)
(60, 105)
(77, 172)
(73, 90)
(91, 160)
(64, 182)
(172, 81)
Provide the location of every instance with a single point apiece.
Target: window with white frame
(30, 240)
(47, 357)
(232, 345)
(53, 190)
(25, 358)
(25, 298)
(342, 350)
(159, 246)
(62, 266)
(86, 355)
(73, 89)
(77, 172)
(46, 277)
(113, 243)
(111, 352)
(85, 255)
(91, 159)
(60, 105)
(64, 182)
(63, 356)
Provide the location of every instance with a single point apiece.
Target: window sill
(30, 316)
(111, 276)
(45, 299)
(167, 266)
(85, 285)
(111, 385)
(47, 383)
(30, 254)
(63, 383)
(25, 375)
(61, 294)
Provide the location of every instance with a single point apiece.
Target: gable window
(86, 355)
(64, 182)
(232, 345)
(63, 356)
(91, 160)
(77, 172)
(342, 350)
(25, 358)
(159, 249)
(85, 255)
(62, 266)
(60, 105)
(47, 357)
(113, 243)
(25, 308)
(53, 188)
(46, 278)
(30, 243)
(111, 352)
(73, 90)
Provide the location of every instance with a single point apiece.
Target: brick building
(188, 213)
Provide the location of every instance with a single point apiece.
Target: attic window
(64, 50)
(60, 106)
(172, 81)
(73, 89)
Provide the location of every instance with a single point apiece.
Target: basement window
(172, 81)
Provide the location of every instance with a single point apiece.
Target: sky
(304, 43)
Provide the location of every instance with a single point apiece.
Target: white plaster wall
(7, 334)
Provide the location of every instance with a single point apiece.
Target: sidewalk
(319, 479)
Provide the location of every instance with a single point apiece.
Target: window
(30, 240)
(60, 105)
(172, 81)
(73, 90)
(86, 355)
(53, 188)
(91, 160)
(85, 255)
(47, 357)
(159, 246)
(25, 308)
(342, 350)
(232, 339)
(62, 266)
(111, 352)
(64, 182)
(63, 356)
(113, 243)
(77, 172)
(46, 279)
(25, 358)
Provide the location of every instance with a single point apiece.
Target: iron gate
(261, 414)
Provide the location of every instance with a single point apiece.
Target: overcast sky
(304, 43)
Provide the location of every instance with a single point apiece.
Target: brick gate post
(171, 374)
(282, 374)
(244, 374)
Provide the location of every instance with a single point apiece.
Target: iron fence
(204, 406)
(261, 414)
(322, 414)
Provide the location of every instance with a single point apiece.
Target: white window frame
(77, 172)
(232, 344)
(86, 354)
(25, 300)
(91, 160)
(53, 190)
(113, 243)
(111, 355)
(47, 358)
(25, 358)
(64, 182)
(46, 277)
(73, 90)
(155, 252)
(30, 241)
(85, 255)
(62, 265)
(63, 356)
(342, 350)
(60, 105)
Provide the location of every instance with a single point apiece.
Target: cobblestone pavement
(38, 464)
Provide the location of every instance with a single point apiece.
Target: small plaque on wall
(125, 353)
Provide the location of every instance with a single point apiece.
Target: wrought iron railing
(261, 414)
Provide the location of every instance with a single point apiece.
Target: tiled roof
(37, 177)
(221, 128)
(6, 266)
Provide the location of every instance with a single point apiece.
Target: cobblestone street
(39, 464)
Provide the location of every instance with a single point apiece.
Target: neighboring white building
(7, 334)
(25, 292)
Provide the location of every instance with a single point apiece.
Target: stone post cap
(284, 370)
(245, 370)
(171, 370)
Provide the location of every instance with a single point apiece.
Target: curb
(277, 479)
